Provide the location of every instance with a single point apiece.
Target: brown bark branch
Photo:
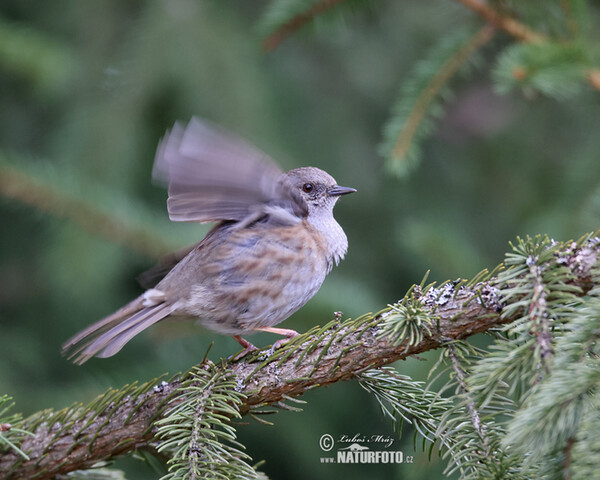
(431, 91)
(593, 76)
(296, 23)
(363, 350)
(519, 30)
(496, 19)
(339, 353)
(511, 26)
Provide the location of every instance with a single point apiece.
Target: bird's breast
(334, 238)
(258, 276)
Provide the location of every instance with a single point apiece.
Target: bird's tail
(107, 336)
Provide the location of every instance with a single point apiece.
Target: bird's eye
(307, 187)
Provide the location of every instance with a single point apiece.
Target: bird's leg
(279, 331)
(248, 347)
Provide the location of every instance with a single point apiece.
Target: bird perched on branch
(274, 243)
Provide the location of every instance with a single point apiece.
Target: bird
(274, 241)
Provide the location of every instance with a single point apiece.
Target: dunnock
(275, 241)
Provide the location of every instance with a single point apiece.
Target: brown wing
(213, 175)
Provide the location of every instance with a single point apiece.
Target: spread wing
(213, 175)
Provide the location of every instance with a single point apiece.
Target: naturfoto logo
(359, 448)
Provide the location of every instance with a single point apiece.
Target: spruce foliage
(196, 433)
(557, 63)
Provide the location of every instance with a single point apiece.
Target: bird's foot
(278, 344)
(288, 333)
(248, 348)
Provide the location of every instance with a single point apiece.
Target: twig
(429, 93)
(461, 378)
(593, 76)
(511, 26)
(567, 452)
(520, 31)
(572, 25)
(538, 314)
(296, 23)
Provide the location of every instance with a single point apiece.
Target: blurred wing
(213, 175)
(151, 277)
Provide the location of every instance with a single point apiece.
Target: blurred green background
(88, 88)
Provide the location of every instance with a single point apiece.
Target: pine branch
(124, 420)
(422, 96)
(193, 430)
(461, 379)
(402, 399)
(9, 435)
(538, 314)
(567, 454)
(440, 79)
(511, 26)
(44, 196)
(552, 69)
(519, 31)
(297, 22)
(572, 25)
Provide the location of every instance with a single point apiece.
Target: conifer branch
(431, 91)
(538, 315)
(571, 22)
(41, 195)
(593, 76)
(461, 379)
(495, 19)
(333, 353)
(296, 23)
(511, 26)
(124, 420)
(567, 454)
(522, 32)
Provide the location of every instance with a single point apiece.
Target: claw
(242, 354)
(281, 342)
(248, 348)
(289, 334)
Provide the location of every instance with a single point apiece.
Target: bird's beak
(336, 191)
